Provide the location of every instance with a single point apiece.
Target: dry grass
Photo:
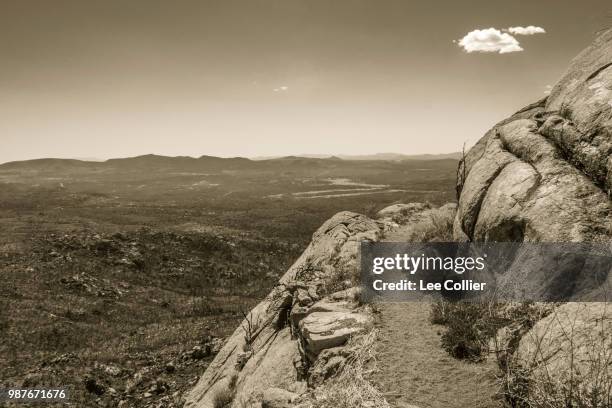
(351, 388)
(432, 225)
(580, 377)
(225, 397)
(439, 312)
(470, 326)
(438, 229)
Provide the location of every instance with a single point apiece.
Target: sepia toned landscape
(189, 189)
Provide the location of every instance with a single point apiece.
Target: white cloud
(281, 89)
(489, 40)
(529, 30)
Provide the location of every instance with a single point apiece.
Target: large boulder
(571, 346)
(544, 174)
(522, 188)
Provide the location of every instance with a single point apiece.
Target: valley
(122, 278)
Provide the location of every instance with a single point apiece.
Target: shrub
(470, 326)
(437, 227)
(249, 327)
(370, 210)
(439, 312)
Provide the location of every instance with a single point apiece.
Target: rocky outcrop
(545, 173)
(309, 329)
(574, 339)
(270, 360)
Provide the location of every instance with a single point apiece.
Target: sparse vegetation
(577, 376)
(469, 327)
(248, 327)
(225, 397)
(439, 311)
(438, 229)
(468, 331)
(342, 278)
(351, 388)
(202, 307)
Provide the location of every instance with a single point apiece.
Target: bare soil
(414, 370)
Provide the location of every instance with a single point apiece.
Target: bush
(470, 326)
(439, 312)
(344, 277)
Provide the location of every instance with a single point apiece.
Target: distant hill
(49, 164)
(400, 157)
(151, 162)
(376, 156)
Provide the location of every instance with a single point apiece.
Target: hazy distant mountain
(149, 162)
(376, 156)
(157, 163)
(398, 157)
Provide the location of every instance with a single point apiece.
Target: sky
(118, 78)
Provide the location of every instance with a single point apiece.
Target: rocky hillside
(291, 339)
(308, 343)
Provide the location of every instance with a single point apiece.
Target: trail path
(414, 370)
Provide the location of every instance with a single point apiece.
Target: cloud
(489, 40)
(281, 89)
(529, 30)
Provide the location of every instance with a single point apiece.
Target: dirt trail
(414, 370)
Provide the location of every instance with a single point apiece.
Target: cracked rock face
(267, 360)
(545, 173)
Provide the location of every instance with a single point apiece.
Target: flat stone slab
(323, 330)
